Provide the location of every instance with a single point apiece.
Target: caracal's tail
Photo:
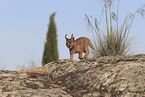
(91, 45)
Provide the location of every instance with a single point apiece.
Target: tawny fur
(79, 45)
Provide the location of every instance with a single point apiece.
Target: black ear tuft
(66, 37)
(72, 38)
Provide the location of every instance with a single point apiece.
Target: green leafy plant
(116, 41)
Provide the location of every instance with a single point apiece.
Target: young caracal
(79, 45)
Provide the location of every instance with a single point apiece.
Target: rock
(103, 76)
(110, 76)
(19, 84)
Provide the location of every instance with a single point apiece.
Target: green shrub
(50, 49)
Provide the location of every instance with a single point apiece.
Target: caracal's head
(69, 42)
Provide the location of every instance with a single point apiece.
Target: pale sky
(24, 24)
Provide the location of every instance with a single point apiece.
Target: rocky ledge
(110, 76)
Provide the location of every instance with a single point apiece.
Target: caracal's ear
(66, 37)
(72, 38)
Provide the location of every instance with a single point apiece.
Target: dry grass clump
(34, 69)
(114, 40)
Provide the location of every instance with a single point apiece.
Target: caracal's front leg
(71, 56)
(80, 55)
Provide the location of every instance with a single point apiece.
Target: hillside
(115, 76)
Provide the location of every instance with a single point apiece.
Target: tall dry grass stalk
(115, 41)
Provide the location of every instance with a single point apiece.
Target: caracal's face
(69, 43)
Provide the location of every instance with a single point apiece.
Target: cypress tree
(50, 49)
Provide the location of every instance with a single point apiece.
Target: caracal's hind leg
(80, 55)
(86, 56)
